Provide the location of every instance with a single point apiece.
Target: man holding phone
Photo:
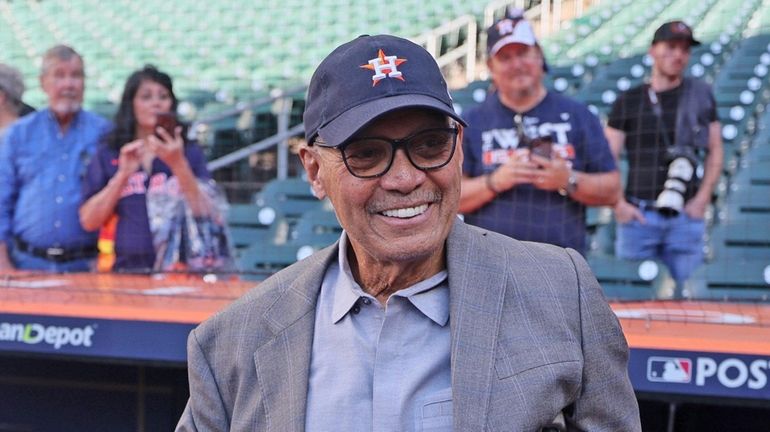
(533, 159)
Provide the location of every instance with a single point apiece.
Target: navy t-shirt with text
(525, 212)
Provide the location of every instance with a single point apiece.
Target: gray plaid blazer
(532, 337)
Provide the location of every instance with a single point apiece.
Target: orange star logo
(384, 67)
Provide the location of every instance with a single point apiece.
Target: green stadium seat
(290, 197)
(631, 280)
(731, 278)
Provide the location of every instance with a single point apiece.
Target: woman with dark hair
(137, 159)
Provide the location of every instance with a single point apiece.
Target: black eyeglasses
(428, 149)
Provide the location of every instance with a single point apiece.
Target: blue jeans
(677, 241)
(25, 261)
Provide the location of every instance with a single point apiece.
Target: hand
(130, 157)
(515, 171)
(167, 148)
(552, 174)
(626, 212)
(696, 207)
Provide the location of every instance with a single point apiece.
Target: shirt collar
(52, 118)
(429, 296)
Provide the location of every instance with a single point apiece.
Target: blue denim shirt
(41, 170)
(377, 368)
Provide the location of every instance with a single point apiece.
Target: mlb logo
(669, 369)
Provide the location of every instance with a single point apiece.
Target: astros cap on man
(366, 78)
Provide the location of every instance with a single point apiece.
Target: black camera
(682, 180)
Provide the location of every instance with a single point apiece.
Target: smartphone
(541, 146)
(167, 120)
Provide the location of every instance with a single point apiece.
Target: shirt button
(57, 224)
(356, 309)
(366, 300)
(59, 200)
(61, 178)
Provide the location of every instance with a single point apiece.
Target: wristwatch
(572, 184)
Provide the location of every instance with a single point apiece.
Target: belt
(56, 254)
(642, 204)
(645, 205)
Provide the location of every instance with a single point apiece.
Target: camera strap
(658, 111)
(518, 121)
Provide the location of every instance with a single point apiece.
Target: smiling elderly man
(413, 321)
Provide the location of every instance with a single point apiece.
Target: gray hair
(12, 85)
(58, 52)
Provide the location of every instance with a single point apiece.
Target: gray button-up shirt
(376, 368)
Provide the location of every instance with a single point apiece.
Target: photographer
(533, 158)
(666, 126)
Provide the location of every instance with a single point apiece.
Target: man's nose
(402, 176)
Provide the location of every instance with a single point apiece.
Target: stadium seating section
(232, 48)
(222, 53)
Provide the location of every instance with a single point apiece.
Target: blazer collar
(477, 287)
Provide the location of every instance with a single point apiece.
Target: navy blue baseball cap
(366, 78)
(513, 28)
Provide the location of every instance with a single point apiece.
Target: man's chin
(65, 109)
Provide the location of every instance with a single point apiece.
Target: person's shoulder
(482, 110)
(635, 92)
(566, 103)
(23, 126)
(529, 251)
(250, 311)
(96, 119)
(698, 84)
(29, 119)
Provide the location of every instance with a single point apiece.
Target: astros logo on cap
(384, 67)
(680, 27)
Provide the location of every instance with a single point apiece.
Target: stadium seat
(731, 278)
(314, 230)
(631, 280)
(290, 197)
(249, 227)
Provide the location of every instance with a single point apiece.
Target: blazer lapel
(283, 364)
(476, 287)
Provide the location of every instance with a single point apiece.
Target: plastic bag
(184, 242)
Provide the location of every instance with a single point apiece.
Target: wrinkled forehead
(72, 65)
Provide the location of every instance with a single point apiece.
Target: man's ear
(312, 163)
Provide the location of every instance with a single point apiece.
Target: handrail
(430, 41)
(244, 152)
(243, 106)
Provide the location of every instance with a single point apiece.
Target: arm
(205, 409)
(171, 151)
(5, 261)
(606, 401)
(8, 195)
(696, 206)
(594, 189)
(97, 209)
(624, 212)
(476, 192)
